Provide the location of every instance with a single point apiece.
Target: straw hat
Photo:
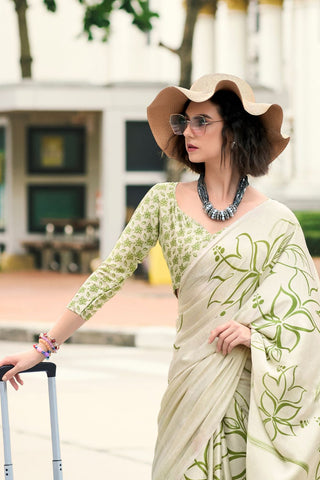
(172, 100)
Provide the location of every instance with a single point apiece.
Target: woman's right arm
(134, 244)
(65, 326)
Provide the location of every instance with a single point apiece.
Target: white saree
(217, 420)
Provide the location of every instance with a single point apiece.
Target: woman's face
(205, 148)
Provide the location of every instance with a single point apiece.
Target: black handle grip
(48, 367)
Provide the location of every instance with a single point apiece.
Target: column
(203, 58)
(2, 176)
(127, 50)
(270, 44)
(306, 101)
(112, 183)
(231, 37)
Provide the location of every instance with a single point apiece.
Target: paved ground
(29, 300)
(41, 297)
(139, 315)
(108, 396)
(108, 402)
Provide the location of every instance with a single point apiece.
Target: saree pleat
(218, 420)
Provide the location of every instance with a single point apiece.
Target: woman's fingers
(216, 332)
(11, 374)
(229, 335)
(21, 361)
(226, 343)
(14, 383)
(19, 379)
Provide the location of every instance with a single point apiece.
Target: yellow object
(14, 263)
(240, 5)
(277, 3)
(158, 270)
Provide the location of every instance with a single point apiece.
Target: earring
(233, 144)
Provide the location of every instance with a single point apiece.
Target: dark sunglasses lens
(178, 124)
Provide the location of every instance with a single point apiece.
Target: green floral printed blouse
(158, 217)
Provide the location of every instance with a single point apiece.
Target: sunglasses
(198, 124)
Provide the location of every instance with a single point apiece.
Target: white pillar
(127, 50)
(203, 56)
(8, 236)
(305, 187)
(231, 37)
(112, 179)
(270, 44)
(16, 149)
(168, 29)
(288, 35)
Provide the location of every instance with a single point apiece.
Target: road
(108, 401)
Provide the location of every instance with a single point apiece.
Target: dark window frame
(34, 135)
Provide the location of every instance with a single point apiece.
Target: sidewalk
(139, 315)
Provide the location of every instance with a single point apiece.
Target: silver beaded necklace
(214, 213)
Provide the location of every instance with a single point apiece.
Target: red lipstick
(191, 148)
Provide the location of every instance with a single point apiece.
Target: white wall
(62, 53)
(9, 71)
(133, 56)
(304, 189)
(59, 53)
(136, 56)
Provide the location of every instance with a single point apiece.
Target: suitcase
(50, 369)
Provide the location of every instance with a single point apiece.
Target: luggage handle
(48, 367)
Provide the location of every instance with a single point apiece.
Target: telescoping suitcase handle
(50, 369)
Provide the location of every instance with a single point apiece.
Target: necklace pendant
(211, 211)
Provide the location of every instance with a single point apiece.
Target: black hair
(242, 133)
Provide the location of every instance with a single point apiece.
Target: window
(54, 201)
(56, 150)
(142, 152)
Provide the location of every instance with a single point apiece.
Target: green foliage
(51, 5)
(309, 220)
(98, 15)
(310, 223)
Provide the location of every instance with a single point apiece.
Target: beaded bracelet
(51, 342)
(46, 343)
(37, 347)
(45, 346)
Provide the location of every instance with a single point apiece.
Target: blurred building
(74, 141)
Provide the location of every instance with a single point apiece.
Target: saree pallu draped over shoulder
(258, 272)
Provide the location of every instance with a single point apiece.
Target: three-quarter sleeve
(139, 236)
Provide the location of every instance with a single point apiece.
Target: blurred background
(76, 152)
(77, 156)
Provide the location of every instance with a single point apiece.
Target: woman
(242, 398)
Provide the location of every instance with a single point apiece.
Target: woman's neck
(222, 184)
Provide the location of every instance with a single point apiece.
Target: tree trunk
(185, 51)
(25, 55)
(193, 8)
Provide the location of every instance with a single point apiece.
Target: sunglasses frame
(195, 130)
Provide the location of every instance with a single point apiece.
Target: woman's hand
(230, 335)
(21, 361)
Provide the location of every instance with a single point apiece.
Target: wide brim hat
(173, 99)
